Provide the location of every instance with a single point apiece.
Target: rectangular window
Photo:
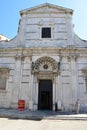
(86, 83)
(3, 77)
(2, 83)
(46, 32)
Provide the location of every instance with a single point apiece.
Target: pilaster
(73, 71)
(17, 78)
(70, 34)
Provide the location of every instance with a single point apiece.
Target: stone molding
(72, 56)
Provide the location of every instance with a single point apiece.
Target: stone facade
(29, 58)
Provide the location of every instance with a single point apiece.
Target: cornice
(37, 51)
(47, 6)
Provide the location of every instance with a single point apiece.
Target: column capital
(72, 57)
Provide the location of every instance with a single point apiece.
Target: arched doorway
(45, 70)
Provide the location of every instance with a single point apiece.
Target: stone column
(54, 93)
(35, 93)
(36, 97)
(58, 91)
(31, 92)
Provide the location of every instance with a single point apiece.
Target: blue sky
(9, 14)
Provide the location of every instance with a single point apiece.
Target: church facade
(46, 63)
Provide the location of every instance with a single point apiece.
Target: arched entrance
(45, 70)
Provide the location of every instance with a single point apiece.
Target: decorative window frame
(4, 73)
(84, 71)
(52, 32)
(46, 29)
(46, 24)
(86, 83)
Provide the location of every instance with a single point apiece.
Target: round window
(45, 66)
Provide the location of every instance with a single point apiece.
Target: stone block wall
(6, 94)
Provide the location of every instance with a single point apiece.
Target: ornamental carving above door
(45, 64)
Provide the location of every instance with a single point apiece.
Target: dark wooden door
(45, 95)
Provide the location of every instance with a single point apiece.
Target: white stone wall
(25, 88)
(6, 95)
(64, 47)
(81, 88)
(66, 83)
(69, 85)
(58, 30)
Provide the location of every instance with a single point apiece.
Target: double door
(45, 95)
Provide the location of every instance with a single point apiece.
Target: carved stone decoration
(19, 57)
(72, 56)
(45, 65)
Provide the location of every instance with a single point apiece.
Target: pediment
(46, 8)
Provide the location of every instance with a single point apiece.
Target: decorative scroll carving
(45, 64)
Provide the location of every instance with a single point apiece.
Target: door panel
(45, 95)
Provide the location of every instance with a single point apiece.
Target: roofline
(46, 4)
(80, 38)
(5, 36)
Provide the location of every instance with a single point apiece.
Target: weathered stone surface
(62, 58)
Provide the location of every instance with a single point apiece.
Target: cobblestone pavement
(19, 124)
